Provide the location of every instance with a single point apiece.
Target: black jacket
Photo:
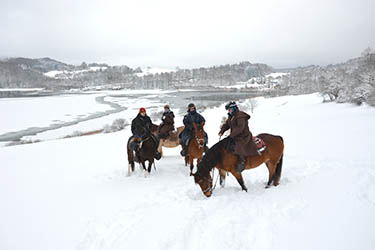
(191, 117)
(141, 125)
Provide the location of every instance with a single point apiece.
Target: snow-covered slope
(74, 193)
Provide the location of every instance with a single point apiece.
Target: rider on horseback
(141, 127)
(167, 124)
(238, 123)
(191, 117)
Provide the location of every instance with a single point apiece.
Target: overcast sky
(189, 33)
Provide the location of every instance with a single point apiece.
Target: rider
(238, 123)
(141, 127)
(167, 124)
(187, 133)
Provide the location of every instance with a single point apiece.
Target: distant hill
(32, 73)
(41, 65)
(352, 81)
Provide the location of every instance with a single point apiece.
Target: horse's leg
(222, 177)
(143, 163)
(149, 166)
(271, 173)
(130, 167)
(191, 159)
(239, 179)
(160, 148)
(130, 161)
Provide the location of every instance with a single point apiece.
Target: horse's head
(199, 133)
(204, 181)
(154, 129)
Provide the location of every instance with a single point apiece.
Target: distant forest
(351, 81)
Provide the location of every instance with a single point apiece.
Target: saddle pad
(260, 143)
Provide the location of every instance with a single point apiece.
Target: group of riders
(237, 122)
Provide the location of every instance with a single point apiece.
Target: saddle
(133, 144)
(172, 136)
(261, 146)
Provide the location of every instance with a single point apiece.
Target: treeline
(23, 72)
(352, 81)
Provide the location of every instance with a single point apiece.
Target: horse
(225, 161)
(195, 148)
(146, 152)
(171, 141)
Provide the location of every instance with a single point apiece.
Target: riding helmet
(191, 105)
(231, 105)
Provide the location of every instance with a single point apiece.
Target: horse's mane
(212, 157)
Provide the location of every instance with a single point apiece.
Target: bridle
(212, 187)
(200, 142)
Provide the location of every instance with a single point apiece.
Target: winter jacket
(238, 123)
(141, 126)
(167, 124)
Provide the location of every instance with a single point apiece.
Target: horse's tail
(279, 167)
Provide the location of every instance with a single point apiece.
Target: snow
(53, 73)
(276, 74)
(70, 74)
(20, 89)
(74, 193)
(155, 70)
(43, 111)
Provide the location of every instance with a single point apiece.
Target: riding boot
(157, 155)
(183, 151)
(157, 142)
(240, 163)
(136, 156)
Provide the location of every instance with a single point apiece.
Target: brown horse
(225, 161)
(146, 152)
(195, 148)
(171, 141)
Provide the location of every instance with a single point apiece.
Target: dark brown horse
(225, 161)
(195, 148)
(146, 152)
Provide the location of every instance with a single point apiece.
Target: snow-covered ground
(74, 193)
(65, 74)
(71, 113)
(21, 113)
(276, 74)
(152, 71)
(257, 82)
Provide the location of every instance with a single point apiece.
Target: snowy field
(74, 193)
(64, 115)
(21, 113)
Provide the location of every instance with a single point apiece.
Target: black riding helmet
(191, 105)
(231, 105)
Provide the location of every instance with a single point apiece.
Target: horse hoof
(268, 186)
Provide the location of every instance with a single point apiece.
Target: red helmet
(141, 110)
